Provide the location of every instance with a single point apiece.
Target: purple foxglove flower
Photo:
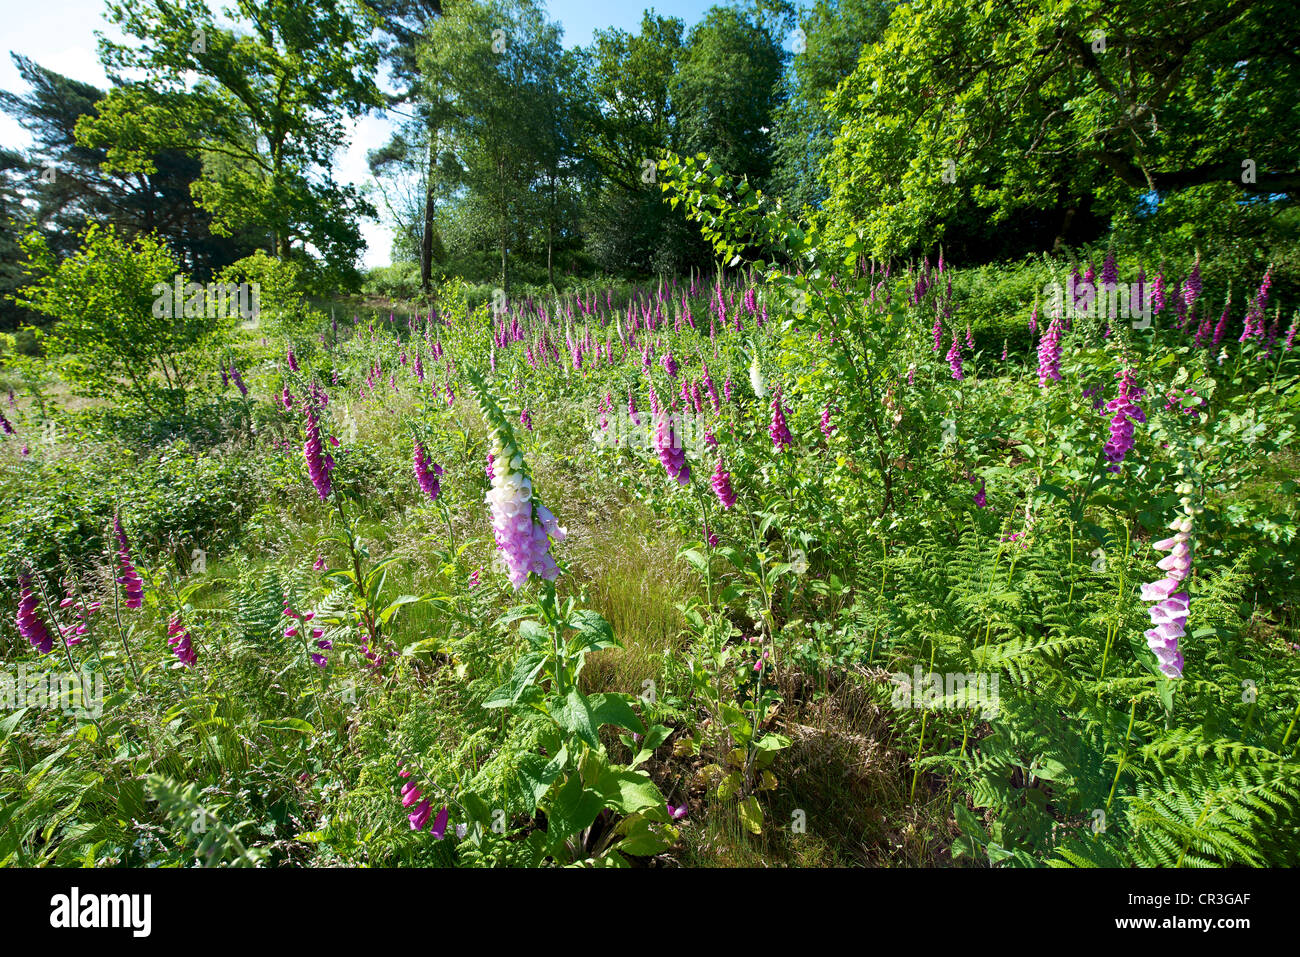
(180, 641)
(130, 580)
(1049, 354)
(1192, 285)
(30, 623)
(669, 447)
(292, 359)
(778, 430)
(1254, 324)
(1109, 270)
(420, 816)
(1125, 411)
(721, 482)
(677, 812)
(1169, 613)
(522, 525)
(1222, 325)
(709, 390)
(954, 358)
(439, 827)
(318, 463)
(1158, 293)
(424, 473)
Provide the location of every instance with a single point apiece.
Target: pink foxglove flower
(1124, 412)
(319, 463)
(129, 578)
(778, 430)
(178, 637)
(668, 444)
(1169, 613)
(426, 472)
(721, 481)
(522, 525)
(30, 623)
(1049, 354)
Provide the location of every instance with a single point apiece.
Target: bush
(110, 333)
(282, 292)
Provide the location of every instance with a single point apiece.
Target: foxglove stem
(367, 614)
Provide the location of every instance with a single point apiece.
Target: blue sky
(60, 35)
(582, 17)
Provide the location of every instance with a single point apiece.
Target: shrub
(108, 334)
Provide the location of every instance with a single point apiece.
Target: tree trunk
(1071, 211)
(505, 223)
(426, 240)
(550, 239)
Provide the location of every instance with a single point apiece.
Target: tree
(69, 188)
(264, 115)
(412, 154)
(628, 228)
(494, 65)
(726, 92)
(829, 40)
(1030, 106)
(12, 223)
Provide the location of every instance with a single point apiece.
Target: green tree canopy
(263, 105)
(1038, 105)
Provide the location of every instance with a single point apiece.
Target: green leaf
(628, 791)
(573, 809)
(526, 669)
(695, 558)
(643, 839)
(751, 815)
(535, 633)
(288, 724)
(575, 716)
(614, 708)
(397, 603)
(594, 630)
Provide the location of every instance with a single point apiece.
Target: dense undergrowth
(731, 661)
